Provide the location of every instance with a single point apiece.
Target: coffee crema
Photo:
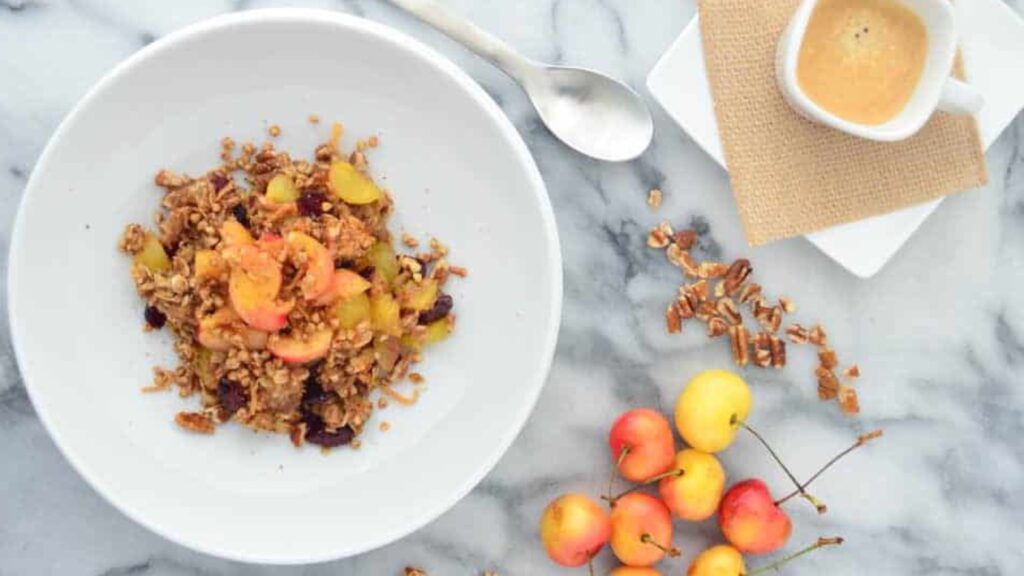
(862, 59)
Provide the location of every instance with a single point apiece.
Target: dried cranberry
(314, 393)
(218, 180)
(241, 214)
(231, 395)
(317, 434)
(311, 203)
(154, 317)
(442, 306)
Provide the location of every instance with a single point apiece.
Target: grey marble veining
(939, 333)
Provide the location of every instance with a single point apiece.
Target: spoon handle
(469, 35)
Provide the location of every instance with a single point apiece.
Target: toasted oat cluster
(280, 282)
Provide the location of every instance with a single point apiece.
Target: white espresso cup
(935, 90)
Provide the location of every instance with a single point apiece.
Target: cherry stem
(648, 539)
(611, 477)
(775, 566)
(818, 504)
(861, 440)
(674, 473)
(590, 565)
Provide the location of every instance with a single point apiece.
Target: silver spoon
(588, 111)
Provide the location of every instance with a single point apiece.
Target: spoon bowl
(590, 112)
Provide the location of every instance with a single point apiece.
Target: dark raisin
(154, 317)
(367, 272)
(311, 203)
(231, 395)
(442, 306)
(241, 214)
(218, 180)
(316, 433)
(344, 263)
(314, 393)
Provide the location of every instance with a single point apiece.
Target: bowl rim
(414, 48)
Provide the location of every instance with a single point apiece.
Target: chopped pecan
(828, 384)
(848, 401)
(797, 334)
(817, 336)
(706, 311)
(720, 289)
(762, 349)
(673, 321)
(778, 347)
(654, 198)
(770, 317)
(853, 372)
(740, 340)
(727, 309)
(685, 307)
(699, 289)
(685, 239)
(749, 292)
(827, 357)
(736, 275)
(711, 269)
(657, 238)
(787, 305)
(681, 259)
(195, 422)
(717, 327)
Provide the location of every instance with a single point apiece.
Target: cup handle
(960, 98)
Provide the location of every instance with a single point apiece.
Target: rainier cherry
(641, 530)
(573, 529)
(711, 408)
(642, 445)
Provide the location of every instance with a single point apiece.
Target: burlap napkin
(791, 176)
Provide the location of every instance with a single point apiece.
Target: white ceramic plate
(457, 169)
(992, 37)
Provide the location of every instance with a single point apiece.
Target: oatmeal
(288, 304)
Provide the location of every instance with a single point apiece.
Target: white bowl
(457, 169)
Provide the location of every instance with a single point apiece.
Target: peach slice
(351, 185)
(385, 314)
(316, 261)
(281, 189)
(420, 297)
(353, 311)
(253, 287)
(344, 285)
(209, 265)
(384, 261)
(211, 332)
(234, 234)
(272, 244)
(153, 255)
(299, 351)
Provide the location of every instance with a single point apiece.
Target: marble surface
(939, 333)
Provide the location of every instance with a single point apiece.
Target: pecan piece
(749, 292)
(828, 384)
(787, 305)
(827, 357)
(736, 275)
(699, 289)
(685, 239)
(673, 321)
(817, 336)
(682, 259)
(195, 422)
(706, 311)
(762, 349)
(797, 334)
(711, 269)
(778, 347)
(853, 372)
(848, 401)
(740, 341)
(657, 238)
(717, 327)
(727, 309)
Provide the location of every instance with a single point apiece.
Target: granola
(280, 283)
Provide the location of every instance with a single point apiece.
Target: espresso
(861, 59)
